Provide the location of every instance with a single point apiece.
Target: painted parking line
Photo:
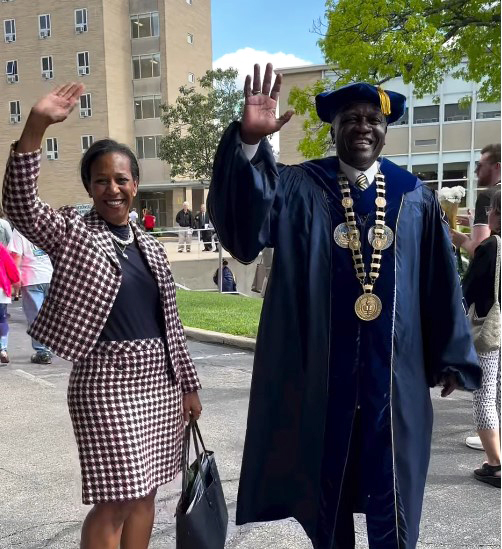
(34, 379)
(217, 356)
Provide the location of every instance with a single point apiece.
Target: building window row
(147, 107)
(44, 25)
(452, 113)
(52, 147)
(147, 146)
(144, 25)
(146, 66)
(85, 108)
(47, 67)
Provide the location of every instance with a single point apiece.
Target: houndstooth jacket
(87, 273)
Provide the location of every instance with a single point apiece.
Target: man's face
(359, 132)
(185, 207)
(486, 170)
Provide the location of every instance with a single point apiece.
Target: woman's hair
(101, 147)
(495, 205)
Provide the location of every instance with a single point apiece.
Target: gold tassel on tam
(384, 101)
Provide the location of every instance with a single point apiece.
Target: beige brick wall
(59, 180)
(292, 132)
(118, 72)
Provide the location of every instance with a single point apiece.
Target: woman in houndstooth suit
(111, 310)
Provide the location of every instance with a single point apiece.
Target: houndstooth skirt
(126, 410)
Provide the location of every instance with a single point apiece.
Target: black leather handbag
(201, 514)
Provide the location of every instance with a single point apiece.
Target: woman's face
(493, 220)
(112, 187)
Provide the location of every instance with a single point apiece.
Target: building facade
(132, 56)
(435, 139)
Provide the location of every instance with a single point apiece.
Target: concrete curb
(222, 339)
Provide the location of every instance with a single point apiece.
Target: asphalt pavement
(40, 502)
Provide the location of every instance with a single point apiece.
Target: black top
(137, 309)
(184, 219)
(479, 280)
(482, 202)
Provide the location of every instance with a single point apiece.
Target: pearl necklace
(122, 244)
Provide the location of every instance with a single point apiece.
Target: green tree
(421, 41)
(196, 122)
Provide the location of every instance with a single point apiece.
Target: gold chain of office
(368, 306)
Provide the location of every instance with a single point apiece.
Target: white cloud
(244, 59)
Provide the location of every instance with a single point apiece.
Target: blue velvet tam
(330, 103)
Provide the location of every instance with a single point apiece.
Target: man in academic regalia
(363, 313)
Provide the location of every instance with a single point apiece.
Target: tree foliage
(421, 41)
(196, 122)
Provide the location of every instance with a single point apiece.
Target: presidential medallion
(368, 306)
(342, 237)
(382, 241)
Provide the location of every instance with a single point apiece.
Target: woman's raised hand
(259, 119)
(58, 104)
(51, 109)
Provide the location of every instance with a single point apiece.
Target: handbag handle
(497, 270)
(185, 456)
(191, 429)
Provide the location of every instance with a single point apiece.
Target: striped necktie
(362, 182)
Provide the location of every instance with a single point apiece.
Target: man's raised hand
(259, 119)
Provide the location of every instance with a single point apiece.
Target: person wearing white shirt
(36, 272)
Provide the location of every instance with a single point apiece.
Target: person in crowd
(228, 283)
(202, 224)
(185, 220)
(36, 270)
(133, 216)
(5, 230)
(478, 286)
(9, 275)
(148, 221)
(133, 383)
(363, 314)
(488, 172)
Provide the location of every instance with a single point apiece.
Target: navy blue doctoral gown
(325, 382)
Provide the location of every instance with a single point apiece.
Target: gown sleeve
(245, 197)
(448, 346)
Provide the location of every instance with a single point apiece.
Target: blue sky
(267, 26)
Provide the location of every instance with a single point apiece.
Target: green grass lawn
(231, 314)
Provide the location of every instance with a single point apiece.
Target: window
(15, 112)
(147, 107)
(87, 141)
(426, 115)
(146, 66)
(191, 77)
(83, 67)
(144, 25)
(403, 121)
(424, 142)
(487, 110)
(190, 38)
(452, 112)
(9, 28)
(148, 146)
(11, 72)
(52, 148)
(44, 26)
(85, 105)
(47, 68)
(189, 2)
(81, 20)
